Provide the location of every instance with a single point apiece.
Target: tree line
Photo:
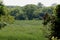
(29, 11)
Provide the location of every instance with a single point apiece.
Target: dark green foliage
(1, 9)
(56, 27)
(46, 19)
(2, 25)
(58, 11)
(55, 23)
(51, 19)
(20, 17)
(5, 18)
(29, 10)
(2, 13)
(40, 5)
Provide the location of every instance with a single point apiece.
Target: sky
(25, 2)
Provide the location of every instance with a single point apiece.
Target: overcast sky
(24, 2)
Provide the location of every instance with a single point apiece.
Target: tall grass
(23, 30)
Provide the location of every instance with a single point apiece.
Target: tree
(29, 9)
(40, 5)
(38, 14)
(18, 13)
(55, 23)
(4, 16)
(56, 27)
(1, 9)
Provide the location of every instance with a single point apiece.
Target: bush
(2, 25)
(55, 29)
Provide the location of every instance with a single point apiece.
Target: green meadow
(24, 30)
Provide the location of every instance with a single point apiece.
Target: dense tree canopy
(5, 18)
(29, 11)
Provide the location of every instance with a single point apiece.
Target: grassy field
(24, 30)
